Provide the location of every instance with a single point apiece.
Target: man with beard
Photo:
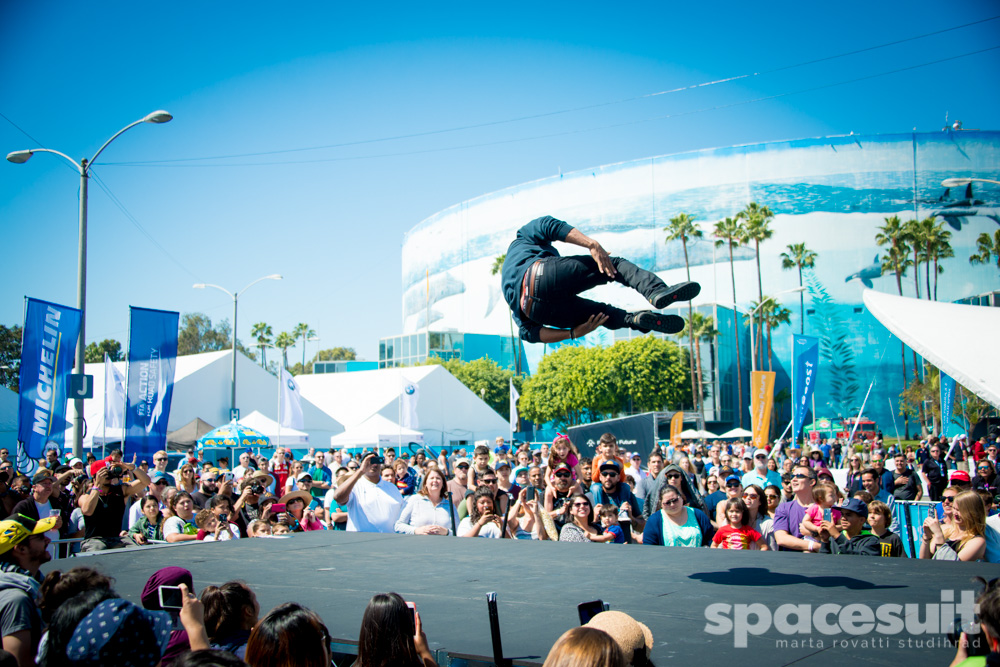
(42, 505)
(557, 496)
(207, 488)
(23, 550)
(611, 490)
(645, 485)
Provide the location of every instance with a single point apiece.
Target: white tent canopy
(736, 433)
(376, 430)
(288, 437)
(958, 339)
(692, 434)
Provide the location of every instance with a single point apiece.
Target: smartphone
(827, 514)
(227, 476)
(277, 508)
(224, 518)
(588, 610)
(171, 597)
(413, 613)
(529, 495)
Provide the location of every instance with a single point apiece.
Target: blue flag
(47, 347)
(149, 385)
(805, 360)
(947, 400)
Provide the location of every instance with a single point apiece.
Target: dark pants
(557, 302)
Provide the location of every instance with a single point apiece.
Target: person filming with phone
(104, 505)
(373, 504)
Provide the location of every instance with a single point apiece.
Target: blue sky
(256, 78)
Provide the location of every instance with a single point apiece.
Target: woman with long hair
(965, 538)
(853, 476)
(483, 520)
(429, 511)
(392, 635)
(580, 526)
(986, 477)
(294, 470)
(760, 516)
(231, 612)
(185, 479)
(676, 525)
(289, 634)
(772, 497)
(585, 647)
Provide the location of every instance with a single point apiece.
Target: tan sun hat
(630, 634)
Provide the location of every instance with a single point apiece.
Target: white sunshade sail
(960, 340)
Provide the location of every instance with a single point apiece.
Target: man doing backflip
(543, 289)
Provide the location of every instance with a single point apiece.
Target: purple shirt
(788, 517)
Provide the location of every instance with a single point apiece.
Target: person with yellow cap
(23, 549)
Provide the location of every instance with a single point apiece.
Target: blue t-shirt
(617, 532)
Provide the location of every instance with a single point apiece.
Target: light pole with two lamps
(235, 297)
(20, 157)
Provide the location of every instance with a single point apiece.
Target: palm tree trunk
(760, 299)
(916, 271)
(303, 354)
(769, 357)
(736, 335)
(701, 388)
(935, 276)
(695, 396)
(927, 271)
(802, 305)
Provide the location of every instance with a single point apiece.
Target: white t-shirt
(232, 534)
(489, 530)
(373, 508)
(43, 512)
(175, 524)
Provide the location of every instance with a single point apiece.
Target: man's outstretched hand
(603, 260)
(592, 323)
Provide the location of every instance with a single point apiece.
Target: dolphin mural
(867, 274)
(959, 211)
(441, 286)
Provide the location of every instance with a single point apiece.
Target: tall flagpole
(104, 445)
(279, 410)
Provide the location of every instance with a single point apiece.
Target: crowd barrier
(911, 515)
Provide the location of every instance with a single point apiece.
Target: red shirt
(743, 537)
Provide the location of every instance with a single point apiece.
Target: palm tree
(799, 256)
(935, 244)
(911, 233)
(683, 228)
(303, 331)
(756, 228)
(774, 315)
(284, 341)
(728, 232)
(699, 327)
(986, 249)
(941, 249)
(893, 235)
(262, 332)
(494, 270)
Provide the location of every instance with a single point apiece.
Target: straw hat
(304, 496)
(630, 634)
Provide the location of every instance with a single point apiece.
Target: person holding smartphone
(373, 504)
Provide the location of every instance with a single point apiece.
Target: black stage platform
(539, 585)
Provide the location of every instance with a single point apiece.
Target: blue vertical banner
(947, 400)
(47, 347)
(149, 385)
(805, 361)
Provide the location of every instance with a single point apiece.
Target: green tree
(303, 331)
(484, 377)
(911, 233)
(799, 257)
(650, 373)
(262, 334)
(987, 248)
(197, 335)
(283, 341)
(336, 354)
(757, 228)
(94, 353)
(10, 356)
(935, 242)
(892, 236)
(683, 228)
(728, 233)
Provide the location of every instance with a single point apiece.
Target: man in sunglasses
(612, 490)
(760, 475)
(558, 493)
(788, 517)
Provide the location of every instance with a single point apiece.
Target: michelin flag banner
(152, 355)
(47, 346)
(291, 406)
(805, 360)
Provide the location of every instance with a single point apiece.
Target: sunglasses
(733, 485)
(672, 502)
(581, 505)
(751, 496)
(161, 458)
(800, 476)
(563, 474)
(609, 473)
(948, 499)
(672, 475)
(489, 481)
(770, 496)
(463, 466)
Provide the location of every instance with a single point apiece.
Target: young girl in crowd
(737, 534)
(964, 538)
(564, 451)
(825, 496)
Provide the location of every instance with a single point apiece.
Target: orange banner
(676, 426)
(761, 400)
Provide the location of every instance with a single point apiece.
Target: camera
(115, 471)
(4, 477)
(256, 489)
(378, 460)
(977, 641)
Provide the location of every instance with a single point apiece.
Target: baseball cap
(13, 532)
(460, 460)
(760, 452)
(157, 476)
(960, 476)
(609, 465)
(518, 470)
(43, 475)
(854, 505)
(302, 476)
(502, 464)
(733, 478)
(563, 466)
(74, 461)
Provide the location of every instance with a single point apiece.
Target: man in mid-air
(543, 289)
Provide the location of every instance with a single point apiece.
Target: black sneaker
(673, 293)
(646, 321)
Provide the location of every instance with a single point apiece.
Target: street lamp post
(20, 157)
(235, 297)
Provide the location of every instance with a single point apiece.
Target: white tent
(202, 385)
(736, 433)
(376, 430)
(692, 434)
(285, 437)
(448, 413)
(958, 339)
